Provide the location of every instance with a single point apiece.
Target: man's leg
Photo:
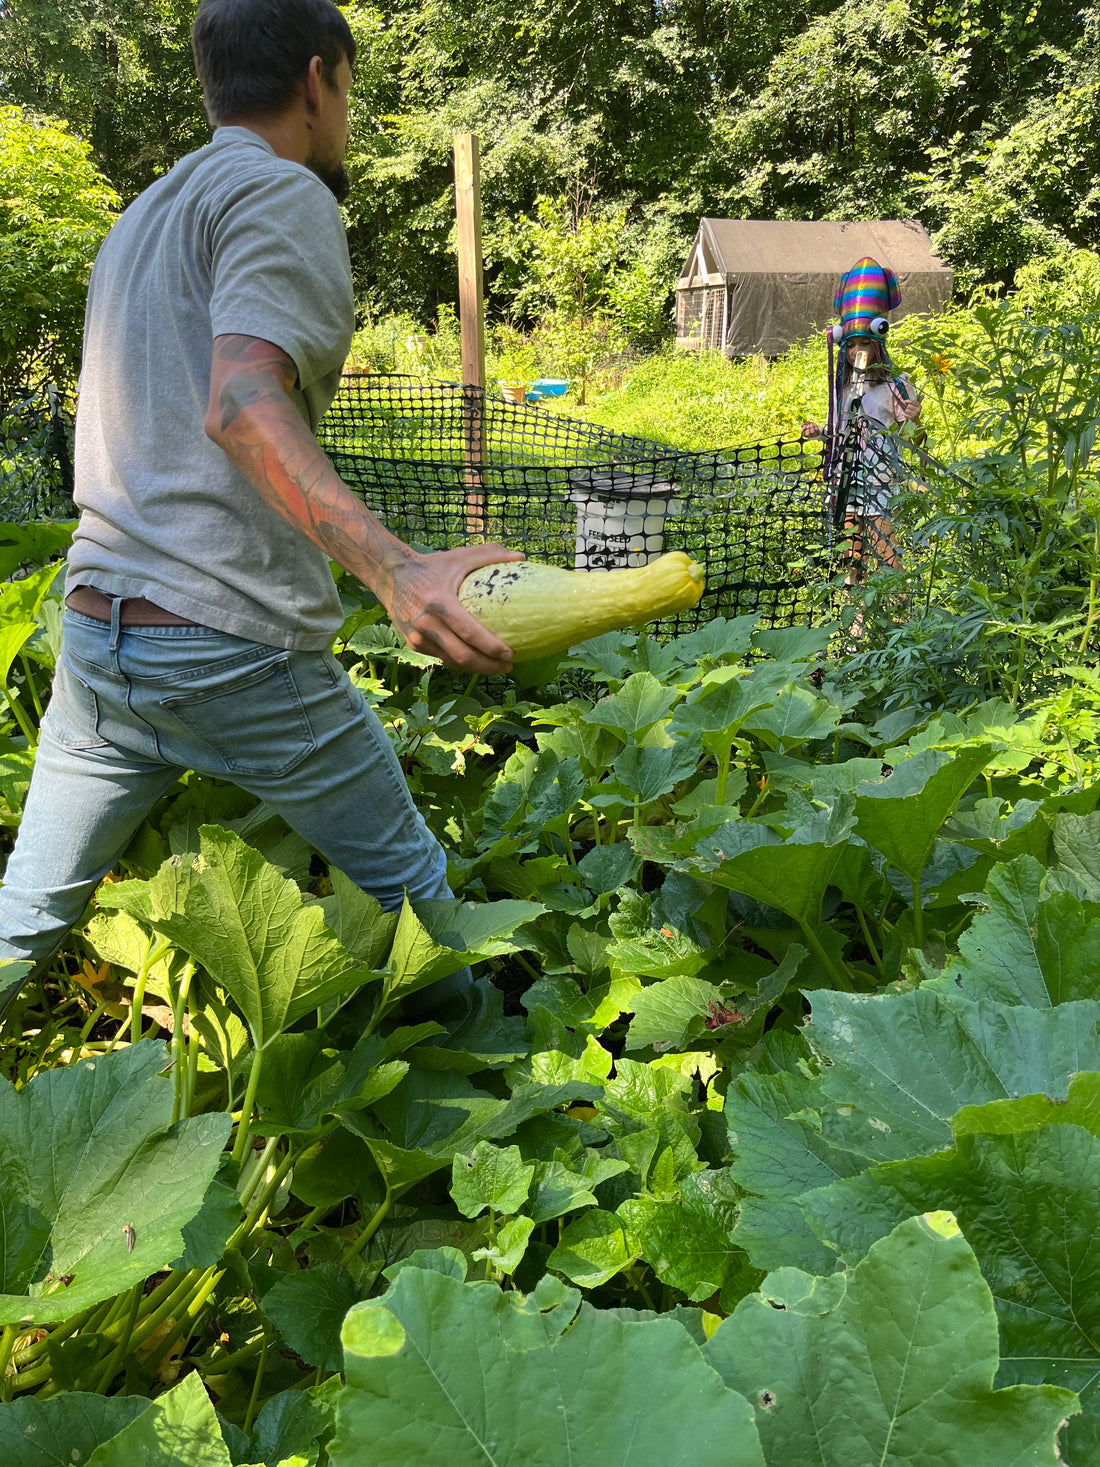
(290, 728)
(81, 811)
(349, 799)
(86, 799)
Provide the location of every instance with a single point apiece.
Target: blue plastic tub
(548, 387)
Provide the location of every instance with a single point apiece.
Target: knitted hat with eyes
(865, 296)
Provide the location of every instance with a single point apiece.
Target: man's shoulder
(234, 164)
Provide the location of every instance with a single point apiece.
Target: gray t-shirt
(234, 240)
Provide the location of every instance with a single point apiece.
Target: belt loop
(116, 624)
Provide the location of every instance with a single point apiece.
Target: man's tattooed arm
(251, 416)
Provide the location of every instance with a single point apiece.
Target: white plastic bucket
(621, 518)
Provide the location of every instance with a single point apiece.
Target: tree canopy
(967, 114)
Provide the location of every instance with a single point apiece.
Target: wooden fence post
(471, 310)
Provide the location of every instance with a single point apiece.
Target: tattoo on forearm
(262, 431)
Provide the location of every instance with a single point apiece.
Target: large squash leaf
(779, 1153)
(792, 875)
(890, 1365)
(65, 1429)
(1034, 946)
(87, 1152)
(442, 1371)
(179, 1429)
(901, 816)
(247, 925)
(1027, 1204)
(899, 1068)
(901, 1065)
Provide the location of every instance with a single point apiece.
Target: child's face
(863, 343)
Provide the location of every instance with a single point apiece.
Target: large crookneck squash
(539, 609)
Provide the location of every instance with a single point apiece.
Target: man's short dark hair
(251, 55)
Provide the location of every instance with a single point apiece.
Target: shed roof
(831, 246)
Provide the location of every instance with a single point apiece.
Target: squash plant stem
(225, 1363)
(92, 1019)
(70, 1327)
(871, 948)
(155, 950)
(240, 1146)
(371, 1228)
(841, 979)
(18, 714)
(263, 1201)
(7, 1345)
(723, 776)
(32, 683)
(179, 1012)
(254, 1398)
(918, 914)
(315, 1214)
(110, 1370)
(193, 1307)
(168, 1308)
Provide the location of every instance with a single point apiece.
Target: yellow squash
(539, 609)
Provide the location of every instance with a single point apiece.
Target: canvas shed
(759, 285)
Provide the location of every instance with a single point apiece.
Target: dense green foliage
(118, 71)
(771, 1136)
(223, 1134)
(54, 211)
(784, 1051)
(979, 121)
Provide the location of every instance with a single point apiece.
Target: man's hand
(424, 607)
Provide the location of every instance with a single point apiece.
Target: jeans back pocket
(250, 717)
(73, 710)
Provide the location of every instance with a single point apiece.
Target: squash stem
(871, 948)
(244, 1128)
(918, 913)
(153, 954)
(32, 684)
(254, 1399)
(118, 1354)
(18, 714)
(192, 1308)
(841, 979)
(7, 1345)
(723, 776)
(368, 1232)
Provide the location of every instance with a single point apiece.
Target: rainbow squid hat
(866, 295)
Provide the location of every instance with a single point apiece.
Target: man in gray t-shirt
(200, 604)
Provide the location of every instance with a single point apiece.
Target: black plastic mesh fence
(442, 465)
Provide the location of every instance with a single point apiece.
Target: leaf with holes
(891, 1363)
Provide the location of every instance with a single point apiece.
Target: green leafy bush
(55, 208)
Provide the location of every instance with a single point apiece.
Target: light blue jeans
(132, 707)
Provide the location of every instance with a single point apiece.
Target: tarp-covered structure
(759, 285)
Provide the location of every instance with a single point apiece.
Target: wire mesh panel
(699, 317)
(442, 465)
